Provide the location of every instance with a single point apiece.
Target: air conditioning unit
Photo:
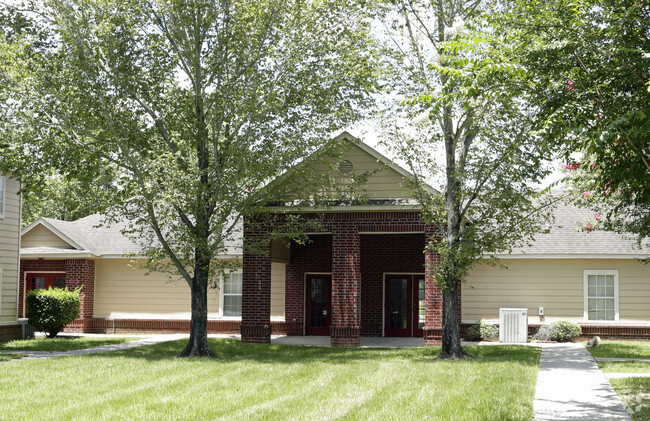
(513, 325)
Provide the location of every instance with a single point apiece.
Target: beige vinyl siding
(40, 236)
(9, 246)
(384, 184)
(556, 285)
(278, 271)
(126, 293)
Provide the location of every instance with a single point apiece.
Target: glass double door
(405, 307)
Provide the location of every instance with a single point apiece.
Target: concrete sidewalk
(570, 386)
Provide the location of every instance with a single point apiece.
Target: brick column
(81, 272)
(345, 329)
(256, 294)
(433, 296)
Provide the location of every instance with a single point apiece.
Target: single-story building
(10, 207)
(363, 274)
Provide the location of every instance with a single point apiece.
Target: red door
(318, 294)
(45, 280)
(405, 308)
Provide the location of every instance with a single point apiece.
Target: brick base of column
(345, 336)
(432, 337)
(256, 334)
(10, 332)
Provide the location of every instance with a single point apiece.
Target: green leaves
(591, 94)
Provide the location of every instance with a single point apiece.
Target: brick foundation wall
(620, 331)
(100, 325)
(10, 332)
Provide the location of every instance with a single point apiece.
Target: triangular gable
(41, 233)
(385, 181)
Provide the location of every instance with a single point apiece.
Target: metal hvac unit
(513, 325)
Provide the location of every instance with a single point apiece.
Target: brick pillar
(433, 297)
(81, 272)
(294, 301)
(256, 294)
(345, 329)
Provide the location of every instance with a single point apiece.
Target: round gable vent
(345, 167)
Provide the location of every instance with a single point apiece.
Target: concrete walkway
(570, 386)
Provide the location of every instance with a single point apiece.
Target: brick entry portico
(357, 249)
(77, 273)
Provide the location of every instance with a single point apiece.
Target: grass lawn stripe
(621, 349)
(64, 343)
(624, 367)
(273, 382)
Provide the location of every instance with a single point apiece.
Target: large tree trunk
(198, 344)
(451, 348)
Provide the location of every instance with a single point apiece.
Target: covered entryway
(405, 306)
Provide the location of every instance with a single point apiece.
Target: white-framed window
(601, 295)
(231, 295)
(2, 196)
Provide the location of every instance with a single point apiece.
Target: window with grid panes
(601, 295)
(232, 291)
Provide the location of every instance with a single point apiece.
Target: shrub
(543, 333)
(564, 331)
(482, 331)
(51, 309)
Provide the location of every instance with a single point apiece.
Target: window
(2, 196)
(601, 295)
(232, 290)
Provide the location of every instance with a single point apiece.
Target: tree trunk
(451, 348)
(198, 344)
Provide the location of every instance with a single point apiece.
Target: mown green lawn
(274, 382)
(622, 349)
(635, 392)
(7, 357)
(63, 343)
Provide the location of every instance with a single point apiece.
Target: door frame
(412, 293)
(307, 304)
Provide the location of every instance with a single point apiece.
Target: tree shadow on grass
(233, 351)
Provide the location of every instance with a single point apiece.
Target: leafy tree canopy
(591, 92)
(464, 123)
(190, 108)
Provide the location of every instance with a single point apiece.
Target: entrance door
(318, 296)
(45, 280)
(405, 308)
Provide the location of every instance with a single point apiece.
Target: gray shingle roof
(568, 237)
(90, 235)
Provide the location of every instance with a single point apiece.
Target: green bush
(49, 310)
(482, 331)
(564, 331)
